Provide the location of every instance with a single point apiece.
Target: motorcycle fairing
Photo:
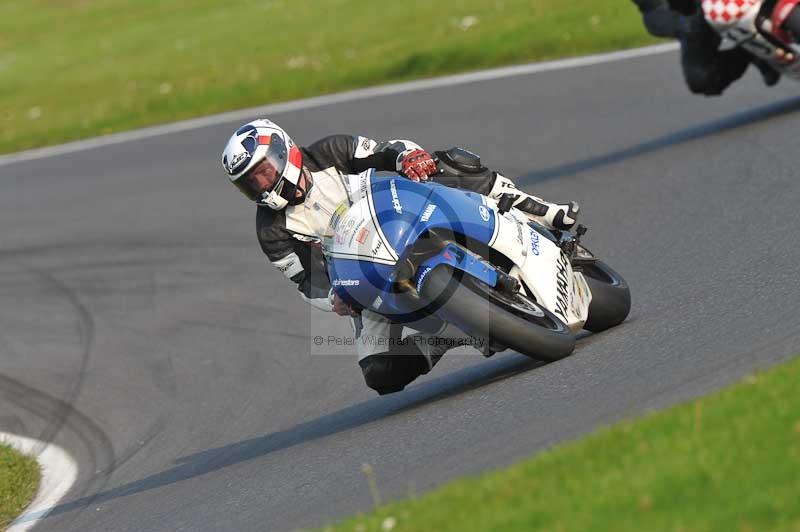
(388, 215)
(403, 210)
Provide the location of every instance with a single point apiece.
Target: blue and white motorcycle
(423, 253)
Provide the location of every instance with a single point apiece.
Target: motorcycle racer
(297, 190)
(706, 70)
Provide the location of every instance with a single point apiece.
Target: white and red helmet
(264, 164)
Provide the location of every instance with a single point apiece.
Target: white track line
(59, 472)
(349, 96)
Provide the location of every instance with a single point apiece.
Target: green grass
(77, 68)
(19, 479)
(727, 462)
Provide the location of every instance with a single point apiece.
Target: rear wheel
(512, 320)
(611, 297)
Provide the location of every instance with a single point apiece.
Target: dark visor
(262, 178)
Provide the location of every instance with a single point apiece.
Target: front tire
(611, 297)
(511, 320)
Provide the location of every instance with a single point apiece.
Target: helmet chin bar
(299, 193)
(284, 193)
(275, 201)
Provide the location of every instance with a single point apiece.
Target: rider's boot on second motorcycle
(551, 215)
(770, 76)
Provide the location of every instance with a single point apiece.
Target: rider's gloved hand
(342, 308)
(417, 165)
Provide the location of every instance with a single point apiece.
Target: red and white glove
(417, 165)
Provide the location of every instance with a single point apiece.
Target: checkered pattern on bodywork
(727, 11)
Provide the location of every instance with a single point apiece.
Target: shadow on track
(348, 418)
(735, 121)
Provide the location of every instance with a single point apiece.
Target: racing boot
(770, 76)
(551, 215)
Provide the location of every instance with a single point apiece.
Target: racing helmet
(264, 164)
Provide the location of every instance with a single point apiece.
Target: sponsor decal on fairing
(346, 282)
(426, 215)
(562, 283)
(346, 230)
(398, 208)
(534, 242)
(362, 235)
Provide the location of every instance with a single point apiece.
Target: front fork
(464, 260)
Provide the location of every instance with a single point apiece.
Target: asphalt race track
(142, 329)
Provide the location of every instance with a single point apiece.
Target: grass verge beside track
(729, 461)
(79, 68)
(19, 479)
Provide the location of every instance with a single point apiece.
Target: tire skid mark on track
(87, 335)
(205, 462)
(60, 414)
(54, 410)
(95, 446)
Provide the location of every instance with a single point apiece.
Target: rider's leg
(462, 169)
(388, 361)
(433, 346)
(552, 215)
(390, 372)
(706, 70)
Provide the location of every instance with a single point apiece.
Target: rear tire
(611, 297)
(482, 311)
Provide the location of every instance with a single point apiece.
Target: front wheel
(611, 297)
(514, 320)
